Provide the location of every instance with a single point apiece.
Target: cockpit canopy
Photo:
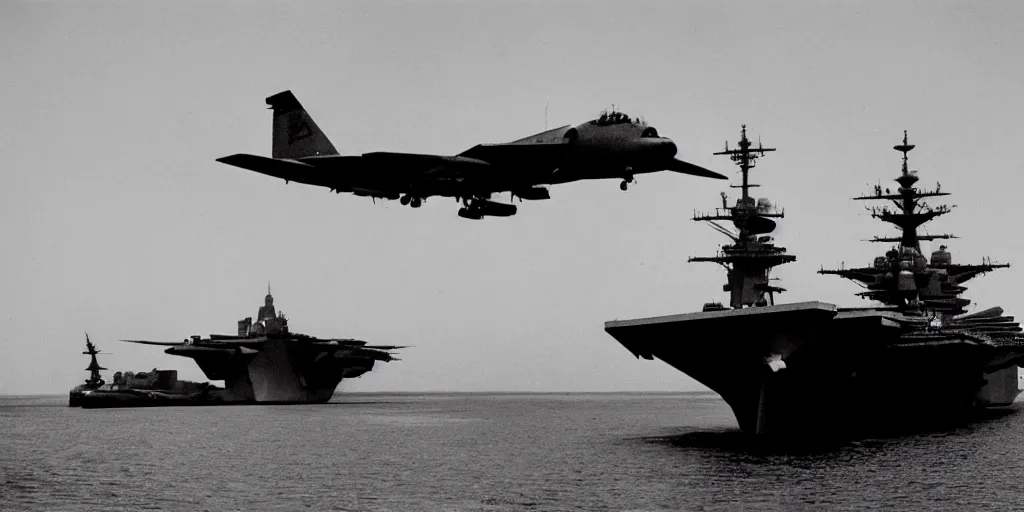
(609, 118)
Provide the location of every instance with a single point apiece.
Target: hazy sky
(116, 219)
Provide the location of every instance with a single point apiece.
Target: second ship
(264, 363)
(917, 359)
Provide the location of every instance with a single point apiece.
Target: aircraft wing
(694, 170)
(399, 172)
(418, 166)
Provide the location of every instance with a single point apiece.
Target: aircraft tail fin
(295, 133)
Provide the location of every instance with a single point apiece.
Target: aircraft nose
(670, 147)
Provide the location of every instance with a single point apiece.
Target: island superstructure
(264, 363)
(976, 353)
(903, 278)
(916, 359)
(750, 258)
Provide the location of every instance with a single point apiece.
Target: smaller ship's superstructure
(155, 387)
(750, 258)
(95, 381)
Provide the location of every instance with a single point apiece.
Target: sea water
(486, 452)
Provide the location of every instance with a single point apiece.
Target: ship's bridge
(268, 320)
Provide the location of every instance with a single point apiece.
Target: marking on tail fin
(298, 128)
(295, 133)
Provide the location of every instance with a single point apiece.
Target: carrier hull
(812, 367)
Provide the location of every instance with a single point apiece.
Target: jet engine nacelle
(481, 207)
(533, 194)
(495, 209)
(466, 213)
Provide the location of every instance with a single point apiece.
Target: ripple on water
(482, 452)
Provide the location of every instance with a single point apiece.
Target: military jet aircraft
(611, 146)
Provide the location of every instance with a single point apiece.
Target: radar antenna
(745, 157)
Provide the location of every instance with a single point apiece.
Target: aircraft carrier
(916, 359)
(264, 363)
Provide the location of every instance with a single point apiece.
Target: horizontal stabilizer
(285, 169)
(693, 170)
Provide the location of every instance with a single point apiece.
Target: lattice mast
(750, 258)
(903, 277)
(911, 212)
(94, 366)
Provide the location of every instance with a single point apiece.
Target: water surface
(486, 452)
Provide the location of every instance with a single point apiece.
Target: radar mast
(752, 255)
(903, 278)
(94, 380)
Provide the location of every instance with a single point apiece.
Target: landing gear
(471, 208)
(415, 202)
(625, 183)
